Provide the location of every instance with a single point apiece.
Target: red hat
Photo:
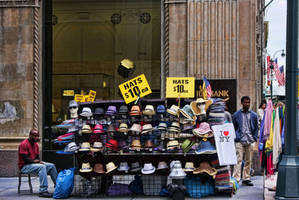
(112, 144)
(98, 128)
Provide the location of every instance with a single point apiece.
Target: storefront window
(89, 39)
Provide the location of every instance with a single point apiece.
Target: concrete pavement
(8, 191)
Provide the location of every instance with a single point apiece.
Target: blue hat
(161, 109)
(205, 147)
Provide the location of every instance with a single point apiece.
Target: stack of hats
(216, 112)
(176, 170)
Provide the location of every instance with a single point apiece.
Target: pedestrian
(261, 110)
(29, 162)
(246, 127)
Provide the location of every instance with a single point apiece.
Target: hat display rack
(155, 137)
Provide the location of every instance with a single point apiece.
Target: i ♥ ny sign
(224, 136)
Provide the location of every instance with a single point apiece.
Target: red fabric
(270, 167)
(26, 148)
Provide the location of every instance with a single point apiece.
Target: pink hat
(98, 128)
(202, 130)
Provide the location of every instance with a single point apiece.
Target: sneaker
(247, 183)
(45, 194)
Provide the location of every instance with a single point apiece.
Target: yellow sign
(92, 95)
(180, 87)
(79, 98)
(134, 88)
(68, 93)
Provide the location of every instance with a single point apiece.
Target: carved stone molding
(17, 3)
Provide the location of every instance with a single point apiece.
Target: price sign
(135, 87)
(68, 93)
(79, 98)
(180, 87)
(92, 95)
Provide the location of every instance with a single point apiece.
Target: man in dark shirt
(246, 127)
(29, 162)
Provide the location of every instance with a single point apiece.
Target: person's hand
(36, 161)
(41, 162)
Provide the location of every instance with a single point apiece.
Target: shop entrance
(84, 42)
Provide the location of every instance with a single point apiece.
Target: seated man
(29, 162)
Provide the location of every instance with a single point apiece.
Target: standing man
(246, 127)
(29, 162)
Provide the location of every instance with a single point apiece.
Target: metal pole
(288, 169)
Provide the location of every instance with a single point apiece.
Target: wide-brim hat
(85, 168)
(148, 168)
(205, 147)
(162, 165)
(189, 167)
(99, 168)
(149, 110)
(123, 127)
(85, 146)
(110, 167)
(173, 110)
(136, 128)
(195, 108)
(203, 130)
(97, 146)
(135, 110)
(135, 167)
(123, 166)
(86, 112)
(146, 128)
(187, 112)
(205, 167)
(187, 145)
(86, 129)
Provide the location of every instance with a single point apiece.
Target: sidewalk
(8, 191)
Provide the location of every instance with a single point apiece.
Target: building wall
(212, 38)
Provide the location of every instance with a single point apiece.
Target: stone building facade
(219, 39)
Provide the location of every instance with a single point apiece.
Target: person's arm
(27, 160)
(256, 128)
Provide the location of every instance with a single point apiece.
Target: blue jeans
(42, 170)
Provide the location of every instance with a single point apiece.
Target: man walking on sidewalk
(246, 127)
(29, 162)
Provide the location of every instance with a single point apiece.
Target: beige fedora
(85, 146)
(149, 110)
(110, 167)
(86, 129)
(189, 167)
(85, 168)
(173, 110)
(96, 147)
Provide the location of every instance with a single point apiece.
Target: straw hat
(148, 144)
(136, 144)
(86, 129)
(136, 128)
(99, 168)
(175, 127)
(173, 110)
(135, 110)
(146, 128)
(85, 146)
(97, 146)
(187, 145)
(110, 167)
(85, 168)
(205, 167)
(189, 167)
(172, 144)
(162, 165)
(187, 112)
(149, 110)
(123, 128)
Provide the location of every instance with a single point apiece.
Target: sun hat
(135, 167)
(136, 128)
(174, 162)
(195, 105)
(149, 110)
(112, 144)
(123, 109)
(161, 109)
(123, 166)
(203, 130)
(148, 144)
(85, 168)
(187, 145)
(111, 110)
(172, 144)
(205, 167)
(135, 110)
(146, 128)
(173, 110)
(187, 112)
(177, 171)
(85, 146)
(111, 128)
(205, 147)
(98, 128)
(86, 129)
(162, 165)
(96, 147)
(99, 111)
(123, 127)
(148, 168)
(73, 103)
(136, 144)
(99, 168)
(86, 112)
(174, 127)
(110, 167)
(189, 167)
(162, 126)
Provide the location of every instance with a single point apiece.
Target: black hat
(99, 111)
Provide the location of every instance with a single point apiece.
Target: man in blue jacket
(246, 127)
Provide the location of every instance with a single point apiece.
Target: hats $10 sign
(182, 87)
(134, 88)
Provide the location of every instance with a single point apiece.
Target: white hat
(71, 147)
(148, 168)
(123, 166)
(173, 110)
(86, 112)
(147, 128)
(177, 171)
